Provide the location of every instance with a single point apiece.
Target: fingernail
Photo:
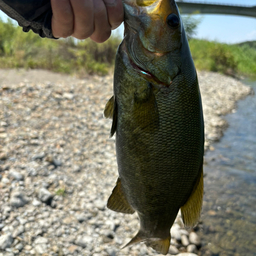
(110, 2)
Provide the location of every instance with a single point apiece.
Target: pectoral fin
(109, 108)
(191, 210)
(111, 112)
(117, 201)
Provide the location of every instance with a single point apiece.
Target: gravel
(58, 165)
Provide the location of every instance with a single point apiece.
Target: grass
(60, 192)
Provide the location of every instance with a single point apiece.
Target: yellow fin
(191, 210)
(158, 244)
(109, 108)
(117, 201)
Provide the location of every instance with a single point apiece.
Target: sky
(227, 28)
(221, 28)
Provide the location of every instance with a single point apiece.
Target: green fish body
(158, 121)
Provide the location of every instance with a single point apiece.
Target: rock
(108, 236)
(19, 246)
(68, 96)
(173, 250)
(175, 232)
(100, 204)
(194, 239)
(36, 202)
(191, 248)
(16, 175)
(5, 180)
(5, 241)
(3, 156)
(45, 196)
(187, 254)
(41, 240)
(83, 241)
(18, 199)
(41, 248)
(184, 240)
(19, 230)
(81, 217)
(38, 156)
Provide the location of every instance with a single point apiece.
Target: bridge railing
(208, 3)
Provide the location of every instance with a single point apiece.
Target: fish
(157, 119)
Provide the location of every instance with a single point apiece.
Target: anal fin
(117, 201)
(191, 210)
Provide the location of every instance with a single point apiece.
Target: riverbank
(58, 165)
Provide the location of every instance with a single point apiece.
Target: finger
(62, 18)
(83, 18)
(115, 12)
(102, 29)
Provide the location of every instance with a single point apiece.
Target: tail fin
(158, 244)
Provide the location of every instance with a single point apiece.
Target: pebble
(191, 248)
(194, 239)
(19, 230)
(16, 175)
(187, 254)
(173, 250)
(45, 196)
(58, 167)
(5, 241)
(18, 199)
(184, 240)
(83, 241)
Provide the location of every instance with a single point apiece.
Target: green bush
(223, 58)
(28, 50)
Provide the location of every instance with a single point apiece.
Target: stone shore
(58, 165)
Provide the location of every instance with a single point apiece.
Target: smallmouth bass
(158, 121)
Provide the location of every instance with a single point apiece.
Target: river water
(229, 210)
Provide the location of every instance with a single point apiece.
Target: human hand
(86, 18)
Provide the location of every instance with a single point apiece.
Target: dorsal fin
(117, 201)
(191, 210)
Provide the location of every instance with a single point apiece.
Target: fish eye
(173, 20)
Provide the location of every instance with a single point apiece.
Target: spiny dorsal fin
(158, 244)
(111, 112)
(191, 210)
(117, 201)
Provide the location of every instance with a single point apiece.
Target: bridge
(213, 8)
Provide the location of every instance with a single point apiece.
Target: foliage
(223, 58)
(190, 24)
(28, 50)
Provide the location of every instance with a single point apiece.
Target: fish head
(158, 23)
(155, 38)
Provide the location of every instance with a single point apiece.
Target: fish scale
(158, 121)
